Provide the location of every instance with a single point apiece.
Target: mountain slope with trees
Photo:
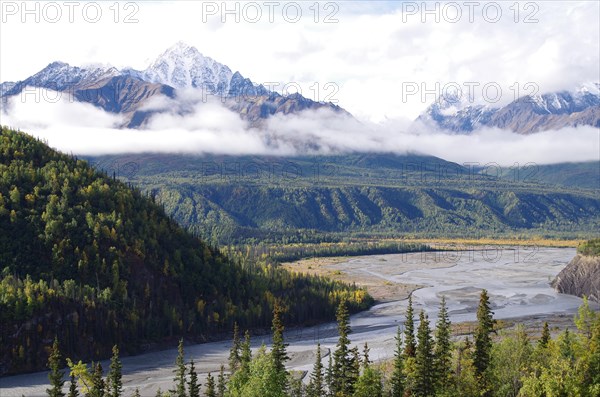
(87, 257)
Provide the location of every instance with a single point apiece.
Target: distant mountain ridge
(525, 115)
(180, 67)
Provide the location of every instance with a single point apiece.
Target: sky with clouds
(376, 53)
(371, 50)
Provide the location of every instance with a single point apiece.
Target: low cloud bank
(190, 125)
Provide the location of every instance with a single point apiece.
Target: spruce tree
(409, 330)
(136, 393)
(366, 360)
(483, 342)
(114, 377)
(56, 375)
(443, 348)
(179, 379)
(193, 385)
(354, 367)
(246, 353)
(315, 386)
(398, 380)
(210, 387)
(221, 383)
(545, 338)
(329, 375)
(424, 364)
(341, 381)
(278, 350)
(73, 390)
(235, 352)
(98, 385)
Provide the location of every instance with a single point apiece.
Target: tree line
(427, 362)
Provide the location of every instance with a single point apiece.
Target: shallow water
(517, 280)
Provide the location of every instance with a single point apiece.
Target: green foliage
(234, 352)
(362, 195)
(545, 338)
(590, 247)
(91, 258)
(221, 382)
(566, 366)
(261, 380)
(98, 386)
(194, 386)
(443, 348)
(398, 379)
(278, 348)
(316, 386)
(342, 372)
(210, 387)
(55, 375)
(424, 376)
(114, 380)
(483, 340)
(409, 330)
(180, 372)
(369, 383)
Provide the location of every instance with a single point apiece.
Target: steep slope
(236, 199)
(581, 277)
(88, 259)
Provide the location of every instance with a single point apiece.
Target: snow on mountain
(525, 115)
(61, 76)
(183, 66)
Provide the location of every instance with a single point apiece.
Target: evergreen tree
(235, 352)
(136, 393)
(483, 341)
(159, 393)
(56, 375)
(443, 348)
(329, 375)
(114, 377)
(342, 377)
(210, 387)
(545, 338)
(398, 379)
(424, 364)
(315, 386)
(179, 379)
(355, 366)
(98, 385)
(369, 384)
(278, 350)
(193, 385)
(221, 383)
(73, 391)
(246, 352)
(366, 360)
(409, 330)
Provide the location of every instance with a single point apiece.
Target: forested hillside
(243, 199)
(86, 257)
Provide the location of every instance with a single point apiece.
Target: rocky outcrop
(580, 277)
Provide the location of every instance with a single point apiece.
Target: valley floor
(517, 279)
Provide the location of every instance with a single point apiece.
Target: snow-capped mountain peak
(183, 66)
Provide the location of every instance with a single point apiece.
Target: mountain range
(182, 67)
(527, 114)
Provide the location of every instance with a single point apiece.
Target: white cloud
(369, 53)
(211, 128)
